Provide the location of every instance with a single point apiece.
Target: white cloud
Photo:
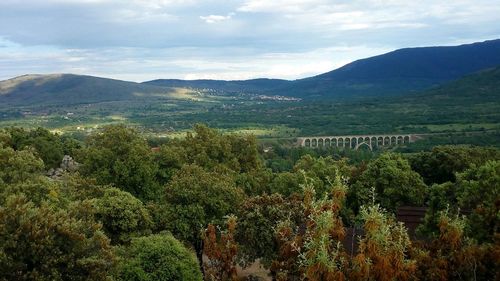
(216, 18)
(147, 39)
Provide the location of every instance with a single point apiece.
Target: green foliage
(36, 190)
(320, 170)
(48, 146)
(18, 166)
(287, 183)
(255, 182)
(391, 181)
(441, 197)
(209, 149)
(441, 163)
(119, 156)
(170, 158)
(157, 257)
(42, 243)
(123, 216)
(479, 191)
(322, 256)
(476, 192)
(194, 198)
(258, 218)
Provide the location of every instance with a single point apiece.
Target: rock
(50, 172)
(68, 164)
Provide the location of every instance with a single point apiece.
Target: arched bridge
(356, 141)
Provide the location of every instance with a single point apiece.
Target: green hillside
(69, 89)
(403, 71)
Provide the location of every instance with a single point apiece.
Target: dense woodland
(202, 207)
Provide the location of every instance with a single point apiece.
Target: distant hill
(67, 89)
(249, 86)
(482, 86)
(400, 71)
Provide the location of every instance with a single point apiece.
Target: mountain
(67, 89)
(400, 71)
(482, 86)
(250, 86)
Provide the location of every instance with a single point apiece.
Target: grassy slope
(68, 89)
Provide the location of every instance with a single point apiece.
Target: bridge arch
(363, 143)
(314, 143)
(340, 142)
(307, 143)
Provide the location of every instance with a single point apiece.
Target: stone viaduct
(356, 141)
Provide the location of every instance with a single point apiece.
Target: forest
(119, 206)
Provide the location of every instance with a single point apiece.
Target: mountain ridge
(31, 89)
(403, 71)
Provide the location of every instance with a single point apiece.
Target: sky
(140, 40)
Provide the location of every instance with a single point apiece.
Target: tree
(479, 191)
(157, 257)
(322, 255)
(475, 192)
(391, 180)
(48, 146)
(287, 183)
(210, 149)
(453, 256)
(255, 182)
(320, 170)
(18, 166)
(258, 218)
(383, 250)
(194, 198)
(123, 216)
(314, 253)
(220, 250)
(119, 156)
(45, 243)
(442, 163)
(170, 158)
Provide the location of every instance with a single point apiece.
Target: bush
(42, 243)
(157, 257)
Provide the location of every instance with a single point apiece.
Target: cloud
(146, 39)
(216, 18)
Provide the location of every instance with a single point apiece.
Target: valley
(449, 112)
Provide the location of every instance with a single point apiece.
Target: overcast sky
(141, 40)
